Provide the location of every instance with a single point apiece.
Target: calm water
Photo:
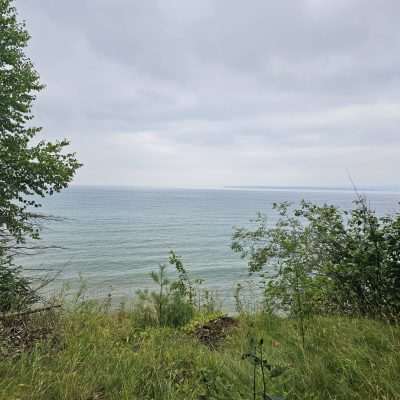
(115, 236)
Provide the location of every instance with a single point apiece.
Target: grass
(102, 354)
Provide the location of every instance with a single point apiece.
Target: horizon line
(390, 188)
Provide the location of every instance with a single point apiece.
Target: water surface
(115, 236)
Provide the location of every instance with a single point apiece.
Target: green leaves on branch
(320, 259)
(29, 168)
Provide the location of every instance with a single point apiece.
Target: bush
(320, 259)
(176, 301)
(16, 292)
(169, 306)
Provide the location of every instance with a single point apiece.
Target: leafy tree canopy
(28, 168)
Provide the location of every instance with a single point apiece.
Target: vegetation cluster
(320, 260)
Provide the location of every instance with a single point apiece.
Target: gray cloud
(221, 92)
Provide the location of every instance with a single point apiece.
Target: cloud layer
(211, 93)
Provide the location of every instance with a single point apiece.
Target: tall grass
(104, 355)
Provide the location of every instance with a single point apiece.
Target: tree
(29, 169)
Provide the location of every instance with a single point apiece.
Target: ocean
(111, 238)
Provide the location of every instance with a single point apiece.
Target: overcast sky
(214, 93)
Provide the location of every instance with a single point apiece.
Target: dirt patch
(21, 334)
(214, 332)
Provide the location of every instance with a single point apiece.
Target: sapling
(162, 296)
(256, 357)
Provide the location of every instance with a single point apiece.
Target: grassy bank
(91, 353)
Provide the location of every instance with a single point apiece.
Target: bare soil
(214, 332)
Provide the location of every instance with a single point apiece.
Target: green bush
(320, 259)
(16, 292)
(170, 305)
(176, 301)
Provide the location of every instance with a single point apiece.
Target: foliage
(200, 298)
(15, 290)
(256, 357)
(104, 355)
(176, 301)
(319, 259)
(28, 168)
(169, 306)
(183, 284)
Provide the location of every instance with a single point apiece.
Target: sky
(184, 93)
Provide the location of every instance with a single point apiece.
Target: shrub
(170, 305)
(16, 292)
(320, 259)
